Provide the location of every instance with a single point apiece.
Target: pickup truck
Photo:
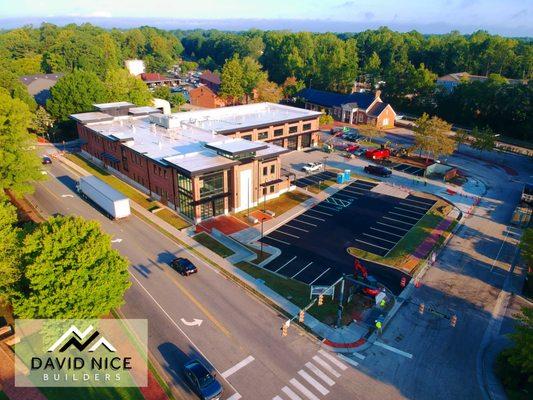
(312, 167)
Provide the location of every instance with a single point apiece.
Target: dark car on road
(47, 160)
(378, 170)
(183, 266)
(202, 381)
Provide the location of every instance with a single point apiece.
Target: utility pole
(262, 221)
(341, 299)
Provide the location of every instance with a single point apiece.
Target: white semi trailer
(114, 204)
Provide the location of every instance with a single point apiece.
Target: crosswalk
(315, 379)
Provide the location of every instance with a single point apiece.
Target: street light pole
(262, 221)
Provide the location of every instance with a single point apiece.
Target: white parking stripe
(237, 367)
(320, 212)
(310, 216)
(302, 269)
(326, 366)
(354, 190)
(393, 349)
(344, 195)
(388, 233)
(410, 205)
(348, 360)
(397, 220)
(294, 227)
(286, 233)
(303, 389)
(373, 245)
(411, 211)
(333, 359)
(235, 396)
(312, 367)
(313, 382)
(403, 215)
(316, 279)
(392, 226)
(287, 263)
(288, 391)
(329, 207)
(303, 222)
(378, 238)
(277, 240)
(427, 203)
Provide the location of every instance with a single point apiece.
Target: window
(184, 183)
(264, 191)
(293, 129)
(307, 127)
(265, 170)
(211, 184)
(272, 188)
(385, 122)
(360, 117)
(262, 135)
(272, 168)
(185, 205)
(278, 132)
(247, 137)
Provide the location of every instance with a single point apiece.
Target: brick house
(202, 96)
(211, 80)
(200, 163)
(354, 108)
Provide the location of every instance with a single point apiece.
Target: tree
(231, 80)
(432, 136)
(19, 164)
(162, 92)
(15, 88)
(177, 99)
(325, 119)
(75, 92)
(371, 131)
(120, 85)
(10, 249)
(484, 139)
(70, 271)
(461, 137)
(41, 122)
(526, 247)
(291, 86)
(520, 355)
(268, 91)
(186, 66)
(372, 69)
(252, 75)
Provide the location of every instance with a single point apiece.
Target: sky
(505, 17)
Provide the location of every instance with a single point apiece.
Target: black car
(202, 381)
(377, 170)
(47, 160)
(183, 266)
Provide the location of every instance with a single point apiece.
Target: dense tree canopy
(10, 249)
(120, 85)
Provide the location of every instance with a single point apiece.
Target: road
(239, 335)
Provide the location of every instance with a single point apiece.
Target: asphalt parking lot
(314, 244)
(409, 169)
(315, 178)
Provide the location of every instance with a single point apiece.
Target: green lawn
(92, 393)
(212, 244)
(3, 396)
(317, 188)
(278, 205)
(172, 218)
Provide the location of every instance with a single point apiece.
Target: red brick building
(211, 80)
(202, 96)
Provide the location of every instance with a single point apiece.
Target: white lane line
(316, 279)
(411, 211)
(378, 238)
(287, 263)
(303, 222)
(288, 234)
(277, 240)
(397, 220)
(288, 391)
(348, 360)
(235, 396)
(393, 349)
(359, 356)
(302, 269)
(310, 216)
(370, 244)
(313, 382)
(333, 359)
(318, 372)
(303, 389)
(326, 366)
(392, 226)
(237, 367)
(388, 233)
(295, 227)
(410, 205)
(321, 212)
(404, 216)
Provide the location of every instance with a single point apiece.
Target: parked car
(183, 266)
(359, 152)
(202, 381)
(351, 148)
(377, 154)
(378, 170)
(47, 160)
(312, 167)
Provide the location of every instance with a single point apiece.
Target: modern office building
(201, 163)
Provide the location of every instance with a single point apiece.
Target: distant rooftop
(116, 104)
(333, 99)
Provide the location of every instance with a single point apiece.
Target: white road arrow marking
(67, 195)
(117, 240)
(195, 322)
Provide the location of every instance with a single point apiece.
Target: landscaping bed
(278, 205)
(212, 244)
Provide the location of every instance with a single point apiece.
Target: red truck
(377, 154)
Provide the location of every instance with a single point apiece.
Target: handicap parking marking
(286, 233)
(378, 238)
(320, 212)
(404, 216)
(303, 222)
(287, 263)
(310, 216)
(344, 195)
(393, 226)
(338, 202)
(397, 220)
(388, 233)
(294, 227)
(302, 269)
(319, 276)
(373, 245)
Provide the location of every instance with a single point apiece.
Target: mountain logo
(76, 338)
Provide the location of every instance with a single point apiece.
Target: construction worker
(378, 326)
(382, 303)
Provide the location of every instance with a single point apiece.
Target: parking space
(313, 245)
(409, 169)
(313, 179)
